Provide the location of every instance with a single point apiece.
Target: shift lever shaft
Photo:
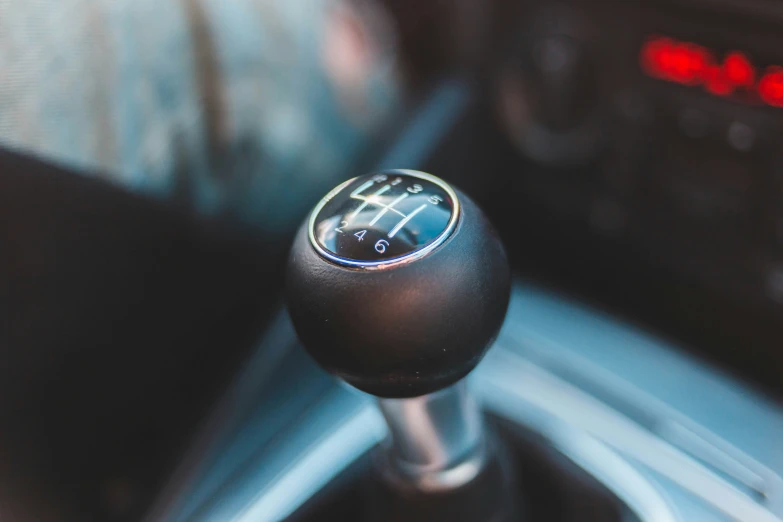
(398, 284)
(437, 440)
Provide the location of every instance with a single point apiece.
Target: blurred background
(157, 158)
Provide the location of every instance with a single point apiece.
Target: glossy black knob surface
(397, 283)
(371, 221)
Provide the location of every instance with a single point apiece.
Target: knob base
(436, 441)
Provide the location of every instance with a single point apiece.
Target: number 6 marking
(381, 245)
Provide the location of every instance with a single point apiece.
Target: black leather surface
(410, 329)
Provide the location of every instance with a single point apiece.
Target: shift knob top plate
(380, 220)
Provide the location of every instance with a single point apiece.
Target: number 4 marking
(360, 234)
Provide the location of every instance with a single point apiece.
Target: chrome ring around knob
(385, 219)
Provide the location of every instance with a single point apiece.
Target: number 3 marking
(381, 245)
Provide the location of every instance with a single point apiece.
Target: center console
(628, 156)
(603, 422)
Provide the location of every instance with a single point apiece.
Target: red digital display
(694, 65)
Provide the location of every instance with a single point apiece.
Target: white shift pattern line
(387, 208)
(368, 200)
(362, 188)
(404, 220)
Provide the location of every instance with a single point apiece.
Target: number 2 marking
(435, 199)
(340, 228)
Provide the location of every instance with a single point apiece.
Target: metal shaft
(437, 440)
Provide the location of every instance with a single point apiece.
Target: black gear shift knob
(397, 283)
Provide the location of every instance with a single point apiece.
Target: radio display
(731, 74)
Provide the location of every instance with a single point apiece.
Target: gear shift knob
(397, 284)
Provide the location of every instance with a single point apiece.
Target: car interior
(387, 260)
